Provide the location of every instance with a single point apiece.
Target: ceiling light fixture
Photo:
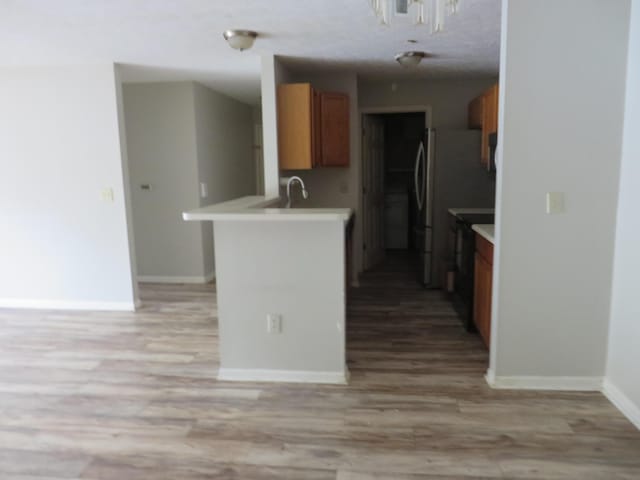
(240, 39)
(422, 12)
(410, 59)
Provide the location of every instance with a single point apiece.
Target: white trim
(176, 279)
(401, 109)
(490, 377)
(578, 384)
(297, 376)
(623, 403)
(66, 305)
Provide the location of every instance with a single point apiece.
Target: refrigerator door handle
(428, 172)
(416, 173)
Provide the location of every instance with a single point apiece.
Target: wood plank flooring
(133, 396)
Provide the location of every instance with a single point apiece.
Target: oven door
(465, 263)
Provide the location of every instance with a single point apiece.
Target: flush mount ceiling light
(410, 59)
(240, 39)
(421, 12)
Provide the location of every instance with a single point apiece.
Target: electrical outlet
(204, 190)
(274, 323)
(107, 195)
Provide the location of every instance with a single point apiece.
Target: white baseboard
(67, 305)
(623, 403)
(176, 279)
(490, 377)
(294, 376)
(577, 384)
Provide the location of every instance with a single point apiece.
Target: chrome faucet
(289, 181)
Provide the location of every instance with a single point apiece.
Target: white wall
(449, 99)
(301, 279)
(224, 148)
(161, 138)
(623, 379)
(179, 135)
(273, 73)
(62, 245)
(133, 264)
(562, 100)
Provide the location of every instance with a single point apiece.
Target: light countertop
(486, 230)
(262, 208)
(461, 211)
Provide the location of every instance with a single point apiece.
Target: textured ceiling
(182, 39)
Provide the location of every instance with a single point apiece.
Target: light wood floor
(133, 396)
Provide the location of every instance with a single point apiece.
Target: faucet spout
(290, 181)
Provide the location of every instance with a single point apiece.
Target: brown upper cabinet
(476, 112)
(313, 127)
(483, 114)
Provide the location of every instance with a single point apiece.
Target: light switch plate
(555, 202)
(204, 190)
(274, 323)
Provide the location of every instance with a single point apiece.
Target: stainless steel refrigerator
(447, 174)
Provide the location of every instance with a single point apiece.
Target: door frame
(426, 109)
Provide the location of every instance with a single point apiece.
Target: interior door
(373, 189)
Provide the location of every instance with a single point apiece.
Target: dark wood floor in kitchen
(133, 396)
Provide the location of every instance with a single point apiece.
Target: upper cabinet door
(295, 126)
(489, 121)
(476, 112)
(334, 129)
(316, 136)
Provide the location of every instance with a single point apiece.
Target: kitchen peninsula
(281, 286)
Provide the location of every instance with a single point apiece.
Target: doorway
(390, 143)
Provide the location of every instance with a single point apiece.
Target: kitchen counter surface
(262, 208)
(486, 231)
(461, 211)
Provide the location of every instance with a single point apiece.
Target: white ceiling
(182, 39)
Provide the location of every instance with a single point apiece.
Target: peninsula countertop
(462, 211)
(485, 230)
(264, 208)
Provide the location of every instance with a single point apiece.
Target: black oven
(465, 246)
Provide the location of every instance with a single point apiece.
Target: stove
(476, 218)
(465, 249)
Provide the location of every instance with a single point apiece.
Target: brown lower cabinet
(482, 286)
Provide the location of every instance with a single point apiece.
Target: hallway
(395, 326)
(133, 396)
